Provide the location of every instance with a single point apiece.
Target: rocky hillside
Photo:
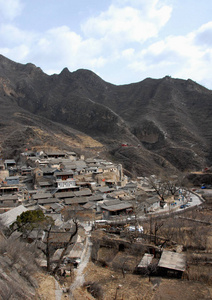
(166, 123)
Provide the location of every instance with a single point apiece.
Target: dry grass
(131, 287)
(46, 290)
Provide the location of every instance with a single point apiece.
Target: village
(113, 213)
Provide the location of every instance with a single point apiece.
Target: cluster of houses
(64, 186)
(58, 181)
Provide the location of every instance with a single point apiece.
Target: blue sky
(123, 41)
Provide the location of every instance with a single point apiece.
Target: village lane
(78, 273)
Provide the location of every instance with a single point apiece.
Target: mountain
(165, 123)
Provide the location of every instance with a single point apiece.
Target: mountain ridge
(166, 121)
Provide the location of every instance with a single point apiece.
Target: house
(44, 184)
(9, 201)
(83, 193)
(85, 184)
(90, 205)
(48, 172)
(47, 201)
(40, 196)
(26, 171)
(96, 197)
(114, 207)
(131, 186)
(56, 207)
(5, 190)
(69, 183)
(105, 189)
(67, 174)
(9, 163)
(153, 203)
(71, 155)
(12, 180)
(64, 195)
(144, 263)
(75, 200)
(172, 263)
(54, 154)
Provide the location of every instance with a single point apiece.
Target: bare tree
(66, 247)
(159, 187)
(168, 184)
(157, 226)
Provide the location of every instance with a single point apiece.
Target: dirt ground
(46, 290)
(136, 287)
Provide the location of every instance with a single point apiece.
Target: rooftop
(172, 260)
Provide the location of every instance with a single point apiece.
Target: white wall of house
(66, 183)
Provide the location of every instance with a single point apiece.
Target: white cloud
(128, 53)
(204, 35)
(17, 53)
(122, 38)
(178, 56)
(60, 47)
(12, 35)
(9, 9)
(128, 24)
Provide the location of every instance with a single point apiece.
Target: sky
(122, 41)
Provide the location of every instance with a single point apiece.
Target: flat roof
(173, 260)
(146, 260)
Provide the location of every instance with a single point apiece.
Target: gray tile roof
(75, 200)
(117, 207)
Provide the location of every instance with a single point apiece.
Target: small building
(144, 263)
(47, 201)
(105, 189)
(96, 197)
(75, 200)
(9, 201)
(9, 163)
(71, 155)
(48, 172)
(115, 207)
(12, 180)
(64, 195)
(55, 154)
(26, 171)
(83, 193)
(68, 183)
(172, 264)
(5, 190)
(40, 196)
(67, 174)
